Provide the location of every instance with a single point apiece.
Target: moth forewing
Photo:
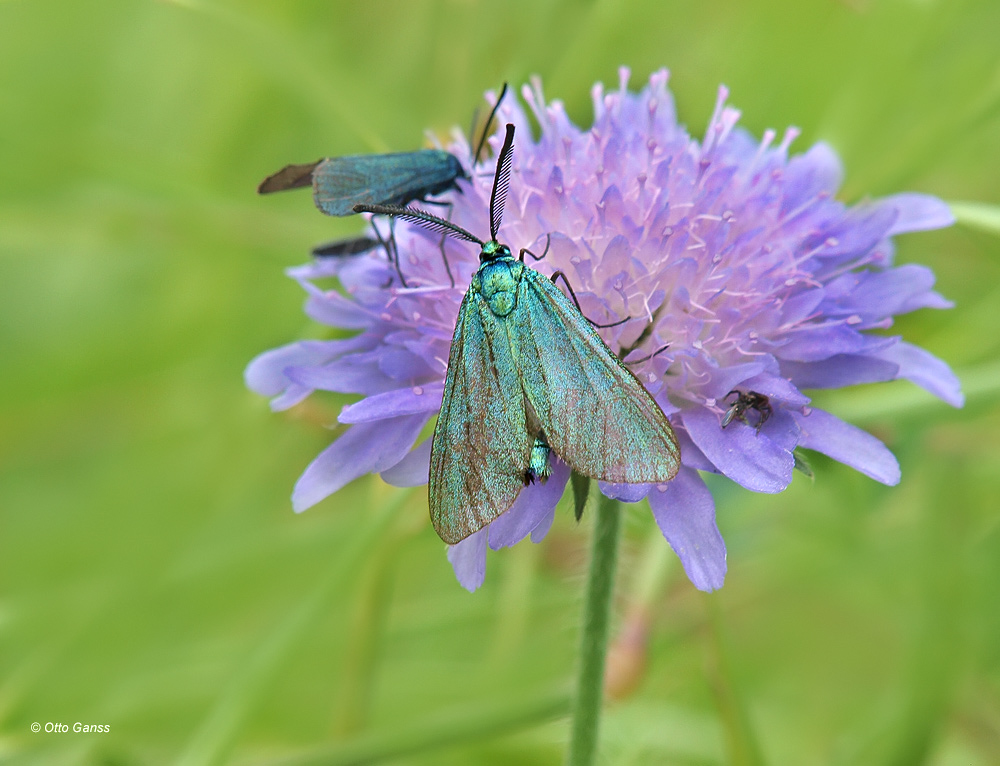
(596, 414)
(481, 446)
(340, 183)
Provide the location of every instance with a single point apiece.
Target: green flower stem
(594, 639)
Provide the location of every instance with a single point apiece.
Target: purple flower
(736, 257)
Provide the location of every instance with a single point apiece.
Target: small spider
(751, 400)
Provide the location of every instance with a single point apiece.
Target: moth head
(493, 250)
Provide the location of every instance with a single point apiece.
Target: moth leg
(559, 273)
(391, 250)
(444, 258)
(526, 251)
(646, 358)
(646, 332)
(444, 236)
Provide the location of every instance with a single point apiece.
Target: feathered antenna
(500, 181)
(419, 217)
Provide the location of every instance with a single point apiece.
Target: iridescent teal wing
(595, 413)
(340, 183)
(481, 447)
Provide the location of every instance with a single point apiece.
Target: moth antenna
(500, 181)
(422, 219)
(486, 127)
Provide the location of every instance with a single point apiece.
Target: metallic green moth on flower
(730, 250)
(528, 373)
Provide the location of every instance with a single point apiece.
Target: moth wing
(344, 247)
(481, 447)
(340, 183)
(596, 414)
(289, 177)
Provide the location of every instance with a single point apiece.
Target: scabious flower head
(733, 255)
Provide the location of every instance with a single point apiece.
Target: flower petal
(691, 455)
(722, 380)
(402, 401)
(840, 370)
(810, 344)
(873, 295)
(413, 470)
(468, 559)
(807, 175)
(918, 212)
(533, 510)
(266, 372)
(351, 374)
(848, 444)
(335, 310)
(363, 448)
(777, 388)
(856, 231)
(627, 493)
(926, 370)
(755, 461)
(685, 512)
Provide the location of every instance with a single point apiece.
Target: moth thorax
(497, 282)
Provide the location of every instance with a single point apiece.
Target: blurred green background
(153, 577)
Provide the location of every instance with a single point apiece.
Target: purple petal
(348, 375)
(401, 364)
(926, 370)
(402, 401)
(337, 311)
(840, 370)
(877, 294)
(315, 269)
(725, 379)
(857, 231)
(292, 396)
(755, 461)
(266, 372)
(800, 307)
(818, 170)
(778, 388)
(538, 533)
(413, 470)
(533, 510)
(685, 513)
(627, 493)
(918, 212)
(848, 444)
(811, 344)
(468, 559)
(364, 448)
(691, 456)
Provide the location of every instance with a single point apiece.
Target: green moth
(529, 375)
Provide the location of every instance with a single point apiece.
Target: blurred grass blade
(977, 215)
(740, 738)
(442, 730)
(219, 728)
